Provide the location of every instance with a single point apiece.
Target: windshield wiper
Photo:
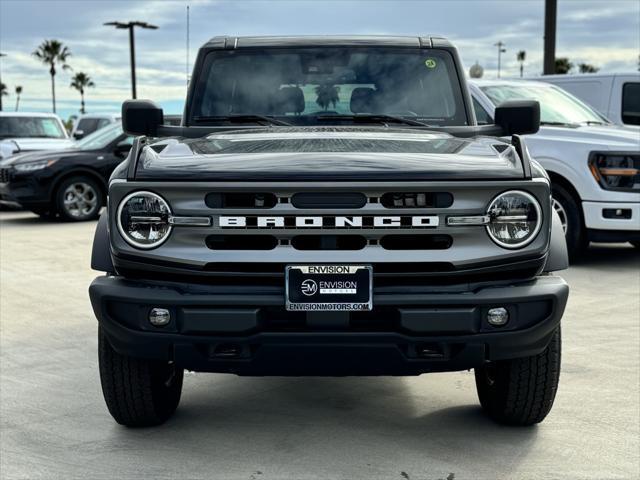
(594, 122)
(560, 124)
(377, 118)
(242, 119)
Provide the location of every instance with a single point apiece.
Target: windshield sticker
(430, 63)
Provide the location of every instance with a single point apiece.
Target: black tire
(138, 392)
(576, 234)
(521, 391)
(80, 214)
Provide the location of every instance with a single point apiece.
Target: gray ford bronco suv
(329, 206)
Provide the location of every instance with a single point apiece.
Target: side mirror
(141, 117)
(122, 149)
(518, 117)
(78, 134)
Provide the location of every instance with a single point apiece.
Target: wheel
(568, 209)
(521, 391)
(138, 392)
(79, 199)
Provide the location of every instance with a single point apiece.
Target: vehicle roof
(28, 114)
(232, 42)
(100, 115)
(509, 82)
(581, 76)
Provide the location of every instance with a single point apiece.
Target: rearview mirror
(78, 134)
(518, 117)
(122, 149)
(141, 117)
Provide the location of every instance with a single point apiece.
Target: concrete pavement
(54, 423)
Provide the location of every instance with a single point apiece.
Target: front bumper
(614, 216)
(248, 332)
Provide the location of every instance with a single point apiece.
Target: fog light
(159, 317)
(498, 316)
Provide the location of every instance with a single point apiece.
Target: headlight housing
(515, 218)
(32, 166)
(616, 171)
(143, 219)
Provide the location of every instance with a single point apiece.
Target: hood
(602, 137)
(330, 153)
(12, 146)
(35, 156)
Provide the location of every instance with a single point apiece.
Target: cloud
(605, 34)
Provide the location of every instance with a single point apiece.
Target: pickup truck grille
(4, 175)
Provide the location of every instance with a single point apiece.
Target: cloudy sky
(605, 33)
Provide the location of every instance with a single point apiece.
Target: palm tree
(80, 81)
(18, 93)
(587, 68)
(563, 65)
(51, 52)
(327, 95)
(522, 55)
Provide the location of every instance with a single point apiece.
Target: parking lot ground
(54, 423)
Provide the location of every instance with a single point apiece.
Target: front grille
(256, 229)
(4, 175)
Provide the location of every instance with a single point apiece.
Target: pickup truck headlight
(616, 171)
(515, 218)
(143, 219)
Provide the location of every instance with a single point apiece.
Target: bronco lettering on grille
(395, 221)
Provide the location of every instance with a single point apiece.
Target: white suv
(594, 165)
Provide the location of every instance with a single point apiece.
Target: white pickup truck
(594, 164)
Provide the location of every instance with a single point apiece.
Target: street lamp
(501, 50)
(132, 49)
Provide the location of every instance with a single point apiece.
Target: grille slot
(242, 242)
(329, 242)
(328, 200)
(4, 175)
(240, 200)
(416, 242)
(416, 200)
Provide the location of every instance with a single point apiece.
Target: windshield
(556, 105)
(30, 127)
(100, 138)
(300, 85)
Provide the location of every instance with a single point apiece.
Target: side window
(631, 103)
(103, 122)
(482, 117)
(88, 125)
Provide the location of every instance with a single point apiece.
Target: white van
(616, 95)
(91, 122)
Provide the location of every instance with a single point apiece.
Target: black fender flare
(101, 252)
(558, 258)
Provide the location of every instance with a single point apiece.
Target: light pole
(1, 55)
(501, 50)
(132, 48)
(550, 17)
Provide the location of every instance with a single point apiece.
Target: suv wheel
(568, 209)
(138, 392)
(79, 199)
(521, 391)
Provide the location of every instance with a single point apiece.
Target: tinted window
(88, 125)
(36, 127)
(631, 103)
(301, 84)
(482, 117)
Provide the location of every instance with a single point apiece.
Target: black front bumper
(239, 330)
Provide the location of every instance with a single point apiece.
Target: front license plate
(329, 287)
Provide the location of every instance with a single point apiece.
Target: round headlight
(515, 219)
(143, 219)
